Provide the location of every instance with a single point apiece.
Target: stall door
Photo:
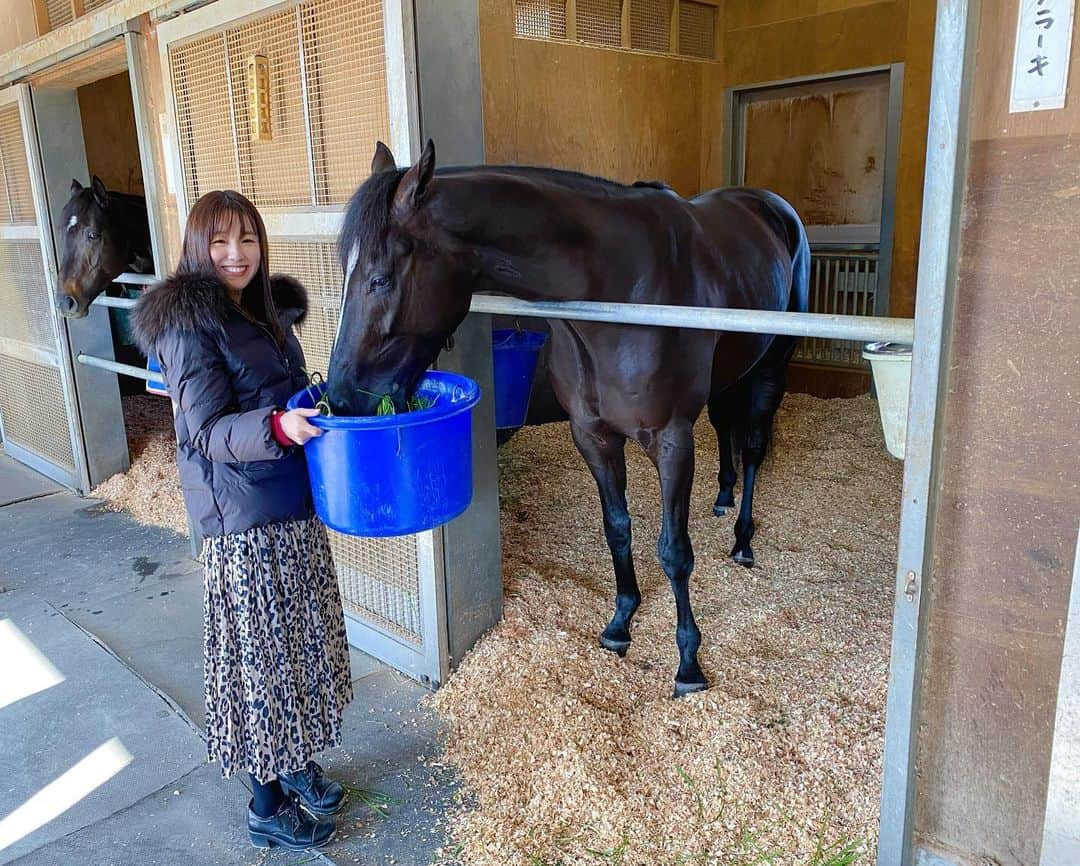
(35, 387)
(332, 84)
(827, 146)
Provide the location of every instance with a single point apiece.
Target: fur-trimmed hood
(189, 302)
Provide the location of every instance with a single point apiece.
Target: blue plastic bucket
(389, 475)
(155, 385)
(514, 355)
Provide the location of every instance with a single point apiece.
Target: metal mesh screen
(600, 22)
(545, 19)
(379, 578)
(89, 5)
(59, 13)
(328, 104)
(315, 264)
(650, 24)
(24, 295)
(345, 61)
(16, 199)
(203, 120)
(33, 408)
(275, 172)
(697, 29)
(843, 283)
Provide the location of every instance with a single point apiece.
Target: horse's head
(407, 287)
(92, 252)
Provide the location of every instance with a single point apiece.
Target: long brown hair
(215, 212)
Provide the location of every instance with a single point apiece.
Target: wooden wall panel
(1010, 478)
(112, 143)
(617, 114)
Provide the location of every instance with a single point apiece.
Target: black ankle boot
(316, 793)
(290, 828)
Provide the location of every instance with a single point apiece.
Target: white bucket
(891, 363)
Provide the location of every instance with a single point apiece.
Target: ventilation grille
(697, 29)
(328, 105)
(59, 13)
(646, 27)
(315, 264)
(599, 22)
(650, 25)
(24, 295)
(33, 409)
(544, 19)
(841, 283)
(16, 199)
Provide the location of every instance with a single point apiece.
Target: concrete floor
(105, 618)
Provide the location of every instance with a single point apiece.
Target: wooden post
(673, 37)
(571, 20)
(626, 23)
(78, 9)
(41, 18)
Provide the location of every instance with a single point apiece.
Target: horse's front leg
(673, 453)
(604, 451)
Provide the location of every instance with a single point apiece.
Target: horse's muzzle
(69, 308)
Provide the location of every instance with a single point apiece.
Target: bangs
(224, 212)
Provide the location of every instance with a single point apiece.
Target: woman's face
(235, 254)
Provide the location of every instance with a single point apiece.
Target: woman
(276, 660)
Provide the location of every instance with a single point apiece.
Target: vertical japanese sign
(1041, 58)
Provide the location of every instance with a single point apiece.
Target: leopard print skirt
(276, 660)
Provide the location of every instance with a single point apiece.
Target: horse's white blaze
(354, 254)
(72, 221)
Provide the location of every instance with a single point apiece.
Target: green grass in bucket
(385, 406)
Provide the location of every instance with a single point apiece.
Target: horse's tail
(799, 300)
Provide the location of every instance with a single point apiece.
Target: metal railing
(841, 283)
(826, 326)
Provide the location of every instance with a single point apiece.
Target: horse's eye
(92, 235)
(379, 281)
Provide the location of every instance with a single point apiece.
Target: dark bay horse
(104, 235)
(416, 244)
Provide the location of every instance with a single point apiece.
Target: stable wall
(112, 142)
(618, 114)
(1006, 528)
(772, 40)
(18, 27)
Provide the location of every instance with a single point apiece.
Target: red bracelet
(277, 430)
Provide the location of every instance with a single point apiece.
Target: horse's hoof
(683, 689)
(719, 510)
(744, 557)
(616, 646)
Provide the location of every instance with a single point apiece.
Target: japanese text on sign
(1041, 57)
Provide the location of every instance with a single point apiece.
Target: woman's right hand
(295, 425)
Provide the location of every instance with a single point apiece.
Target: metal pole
(115, 367)
(119, 303)
(838, 327)
(946, 166)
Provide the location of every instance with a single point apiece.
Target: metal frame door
(38, 418)
(393, 589)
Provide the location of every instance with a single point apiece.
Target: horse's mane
(368, 214)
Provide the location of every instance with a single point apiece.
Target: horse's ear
(100, 193)
(383, 159)
(414, 184)
(76, 187)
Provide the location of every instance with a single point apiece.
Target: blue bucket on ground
(379, 476)
(514, 355)
(155, 385)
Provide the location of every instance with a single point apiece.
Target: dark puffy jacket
(226, 374)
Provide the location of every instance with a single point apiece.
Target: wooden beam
(571, 20)
(78, 8)
(626, 22)
(673, 36)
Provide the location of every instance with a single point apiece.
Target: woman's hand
(295, 425)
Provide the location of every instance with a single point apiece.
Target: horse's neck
(132, 214)
(530, 245)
